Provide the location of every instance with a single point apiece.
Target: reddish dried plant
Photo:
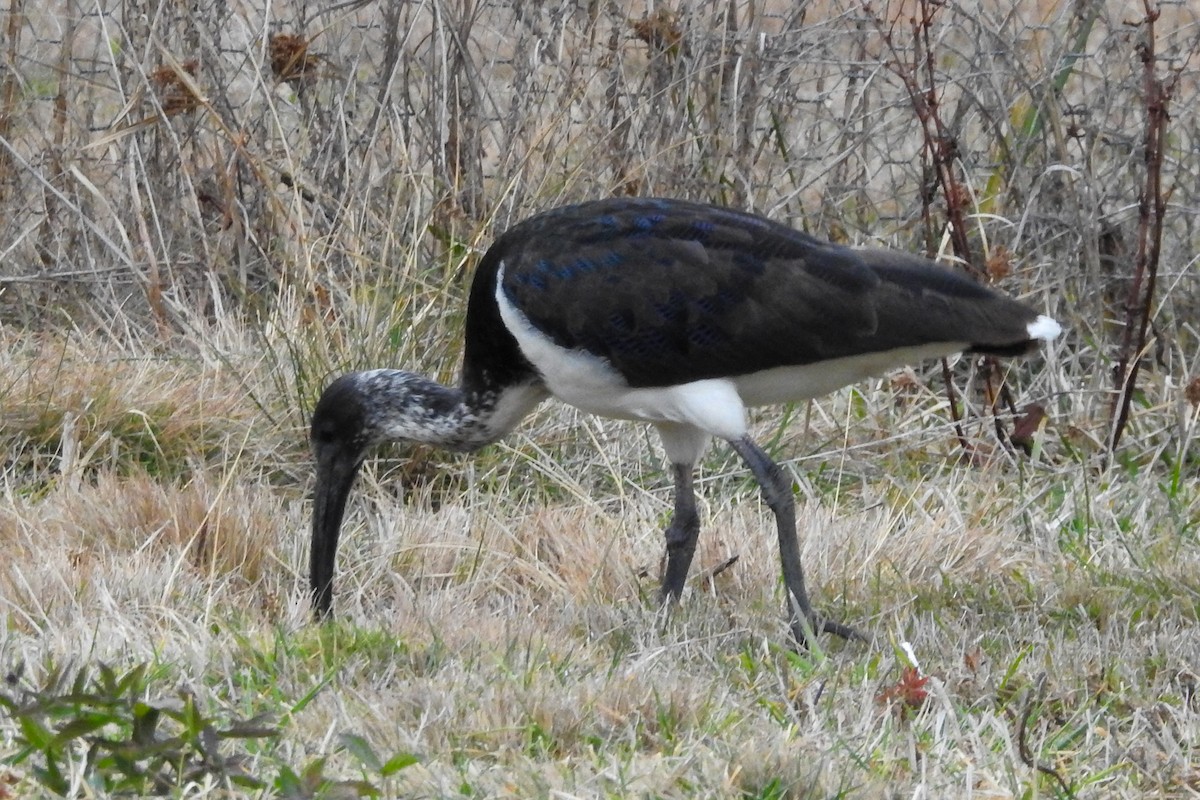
(999, 263)
(908, 693)
(290, 59)
(905, 387)
(1192, 392)
(1028, 426)
(661, 31)
(175, 94)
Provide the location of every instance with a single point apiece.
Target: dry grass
(205, 216)
(517, 653)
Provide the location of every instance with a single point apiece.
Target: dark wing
(670, 292)
(920, 301)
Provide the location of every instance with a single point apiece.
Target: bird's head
(340, 436)
(356, 412)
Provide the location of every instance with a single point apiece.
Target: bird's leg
(777, 493)
(681, 534)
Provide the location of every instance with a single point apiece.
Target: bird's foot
(800, 631)
(841, 630)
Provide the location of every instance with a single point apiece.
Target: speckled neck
(403, 406)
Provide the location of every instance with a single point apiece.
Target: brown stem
(941, 148)
(1031, 700)
(1151, 213)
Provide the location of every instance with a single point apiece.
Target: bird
(675, 313)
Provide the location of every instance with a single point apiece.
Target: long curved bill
(336, 468)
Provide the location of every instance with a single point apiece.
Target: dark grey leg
(777, 493)
(681, 534)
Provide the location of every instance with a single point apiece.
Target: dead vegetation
(206, 214)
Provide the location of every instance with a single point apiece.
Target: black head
(339, 438)
(357, 411)
(340, 416)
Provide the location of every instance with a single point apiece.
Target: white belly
(789, 384)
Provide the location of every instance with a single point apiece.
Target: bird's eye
(323, 434)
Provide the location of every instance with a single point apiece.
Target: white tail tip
(1044, 328)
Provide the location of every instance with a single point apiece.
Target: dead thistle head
(1192, 392)
(290, 59)
(175, 93)
(999, 263)
(661, 31)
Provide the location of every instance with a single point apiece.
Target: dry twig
(1032, 699)
(1152, 206)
